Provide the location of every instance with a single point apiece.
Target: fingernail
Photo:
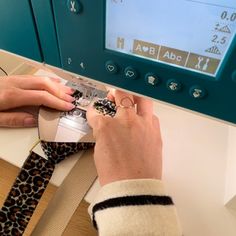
(70, 106)
(72, 90)
(69, 90)
(29, 122)
(69, 98)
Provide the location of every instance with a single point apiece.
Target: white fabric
(156, 220)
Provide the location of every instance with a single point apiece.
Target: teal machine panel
(17, 29)
(181, 52)
(44, 19)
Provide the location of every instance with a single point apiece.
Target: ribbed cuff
(132, 198)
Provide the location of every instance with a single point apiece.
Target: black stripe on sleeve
(139, 200)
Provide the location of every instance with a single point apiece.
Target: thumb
(17, 119)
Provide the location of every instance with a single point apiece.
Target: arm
(128, 157)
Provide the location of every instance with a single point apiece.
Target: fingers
(97, 121)
(92, 116)
(17, 120)
(111, 95)
(34, 98)
(144, 107)
(156, 122)
(51, 85)
(125, 104)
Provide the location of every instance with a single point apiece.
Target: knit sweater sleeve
(134, 207)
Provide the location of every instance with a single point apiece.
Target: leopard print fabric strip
(34, 176)
(105, 107)
(31, 184)
(57, 152)
(25, 194)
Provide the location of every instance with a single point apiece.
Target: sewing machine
(182, 54)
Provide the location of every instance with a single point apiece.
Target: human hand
(19, 91)
(128, 146)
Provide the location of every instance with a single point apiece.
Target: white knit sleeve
(134, 207)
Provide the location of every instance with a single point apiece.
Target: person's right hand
(25, 90)
(128, 146)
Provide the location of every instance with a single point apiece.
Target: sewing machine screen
(194, 35)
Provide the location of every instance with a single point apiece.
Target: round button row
(172, 85)
(130, 72)
(195, 91)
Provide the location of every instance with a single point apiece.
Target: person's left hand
(21, 91)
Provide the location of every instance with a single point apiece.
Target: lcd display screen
(194, 35)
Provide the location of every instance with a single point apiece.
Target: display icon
(197, 92)
(173, 56)
(145, 49)
(223, 29)
(202, 63)
(74, 6)
(174, 85)
(117, 1)
(69, 60)
(130, 73)
(82, 65)
(151, 79)
(111, 67)
(120, 43)
(213, 50)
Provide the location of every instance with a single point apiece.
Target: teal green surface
(76, 42)
(45, 24)
(17, 29)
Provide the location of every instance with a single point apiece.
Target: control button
(111, 67)
(74, 6)
(234, 76)
(152, 79)
(131, 73)
(174, 85)
(197, 92)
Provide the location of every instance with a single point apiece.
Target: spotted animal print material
(105, 107)
(25, 194)
(31, 183)
(57, 152)
(33, 178)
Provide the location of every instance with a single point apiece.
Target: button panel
(173, 85)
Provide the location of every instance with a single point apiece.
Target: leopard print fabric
(25, 194)
(57, 152)
(31, 183)
(34, 177)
